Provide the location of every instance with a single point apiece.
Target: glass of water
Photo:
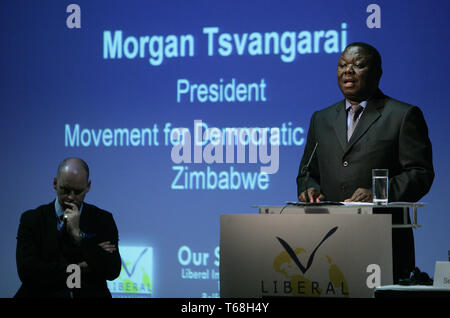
(380, 186)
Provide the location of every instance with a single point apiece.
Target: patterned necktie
(356, 110)
(60, 222)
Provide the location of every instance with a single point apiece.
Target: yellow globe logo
(312, 285)
(304, 286)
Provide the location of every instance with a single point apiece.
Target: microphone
(305, 171)
(63, 220)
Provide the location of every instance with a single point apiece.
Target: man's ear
(55, 182)
(88, 186)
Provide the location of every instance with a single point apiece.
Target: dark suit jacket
(390, 134)
(43, 253)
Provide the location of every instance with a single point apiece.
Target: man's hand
(361, 195)
(108, 247)
(72, 219)
(314, 196)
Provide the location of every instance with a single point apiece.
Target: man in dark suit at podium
(67, 231)
(368, 130)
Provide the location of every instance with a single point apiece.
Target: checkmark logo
(294, 257)
(135, 263)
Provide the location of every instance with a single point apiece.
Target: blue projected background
(108, 81)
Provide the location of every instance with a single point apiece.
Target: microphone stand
(306, 173)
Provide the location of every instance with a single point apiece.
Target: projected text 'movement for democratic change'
(205, 145)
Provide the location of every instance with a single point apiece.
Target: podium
(309, 251)
(348, 208)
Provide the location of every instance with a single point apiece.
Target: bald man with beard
(67, 231)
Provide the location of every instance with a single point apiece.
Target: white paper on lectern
(357, 203)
